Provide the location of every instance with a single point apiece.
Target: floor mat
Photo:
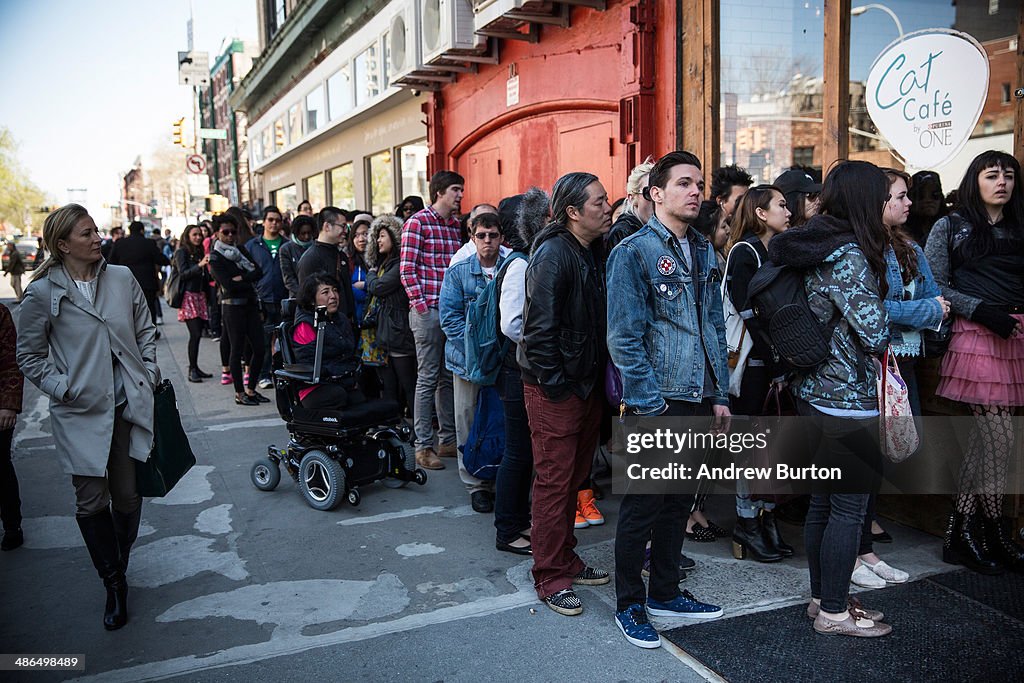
(939, 632)
(1004, 593)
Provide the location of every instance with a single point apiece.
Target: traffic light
(178, 138)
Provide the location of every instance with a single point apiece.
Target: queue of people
(574, 298)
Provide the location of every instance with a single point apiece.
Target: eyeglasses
(487, 236)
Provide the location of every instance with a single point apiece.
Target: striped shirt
(428, 244)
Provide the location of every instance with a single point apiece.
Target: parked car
(27, 248)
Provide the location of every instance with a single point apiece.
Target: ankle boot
(204, 375)
(101, 540)
(194, 376)
(772, 537)
(999, 539)
(963, 545)
(748, 538)
(126, 527)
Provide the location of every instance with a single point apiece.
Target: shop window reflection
(343, 193)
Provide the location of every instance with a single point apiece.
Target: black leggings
(404, 368)
(243, 323)
(195, 333)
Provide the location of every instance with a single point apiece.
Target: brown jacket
(12, 382)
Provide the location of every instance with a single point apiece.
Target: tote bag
(897, 430)
(172, 455)
(737, 341)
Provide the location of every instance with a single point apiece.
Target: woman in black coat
(235, 273)
(393, 332)
(190, 261)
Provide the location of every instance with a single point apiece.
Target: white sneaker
(266, 384)
(865, 578)
(886, 573)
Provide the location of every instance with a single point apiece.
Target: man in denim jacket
(666, 335)
(461, 286)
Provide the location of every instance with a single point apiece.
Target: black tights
(243, 323)
(983, 472)
(195, 333)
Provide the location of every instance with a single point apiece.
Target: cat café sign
(925, 93)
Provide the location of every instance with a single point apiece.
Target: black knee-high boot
(126, 527)
(101, 540)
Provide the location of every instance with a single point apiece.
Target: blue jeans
(835, 519)
(515, 474)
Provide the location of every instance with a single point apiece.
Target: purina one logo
(926, 92)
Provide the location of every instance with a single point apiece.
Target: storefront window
(386, 50)
(413, 167)
(257, 148)
(368, 74)
(267, 138)
(343, 193)
(294, 123)
(771, 85)
(316, 191)
(382, 184)
(279, 135)
(339, 93)
(286, 198)
(316, 113)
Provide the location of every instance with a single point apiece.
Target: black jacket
(623, 228)
(193, 276)
(327, 258)
(239, 291)
(142, 256)
(394, 304)
(339, 360)
(564, 317)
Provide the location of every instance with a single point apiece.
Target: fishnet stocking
(983, 471)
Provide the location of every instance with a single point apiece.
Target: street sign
(194, 163)
(193, 68)
(198, 185)
(213, 133)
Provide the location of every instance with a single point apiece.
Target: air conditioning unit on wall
(447, 30)
(406, 54)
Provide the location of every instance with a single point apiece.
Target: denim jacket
(462, 283)
(653, 333)
(923, 312)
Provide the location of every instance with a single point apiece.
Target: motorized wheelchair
(331, 453)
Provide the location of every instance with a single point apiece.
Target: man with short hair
(462, 283)
(563, 365)
(429, 240)
(469, 248)
(728, 185)
(116, 233)
(270, 287)
(665, 312)
(327, 256)
(143, 257)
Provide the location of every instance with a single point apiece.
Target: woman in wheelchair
(339, 385)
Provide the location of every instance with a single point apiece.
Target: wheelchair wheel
(353, 497)
(322, 480)
(408, 462)
(265, 474)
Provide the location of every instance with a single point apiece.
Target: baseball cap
(796, 181)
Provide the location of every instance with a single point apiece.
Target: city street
(230, 583)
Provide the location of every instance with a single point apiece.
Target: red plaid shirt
(428, 244)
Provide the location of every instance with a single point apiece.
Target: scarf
(234, 254)
(304, 245)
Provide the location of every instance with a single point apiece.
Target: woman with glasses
(409, 206)
(236, 274)
(977, 254)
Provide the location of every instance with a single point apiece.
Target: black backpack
(783, 319)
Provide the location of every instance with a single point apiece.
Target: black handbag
(172, 455)
(937, 341)
(174, 289)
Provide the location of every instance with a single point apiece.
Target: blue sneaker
(633, 623)
(683, 606)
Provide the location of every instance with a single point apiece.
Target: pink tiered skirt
(981, 367)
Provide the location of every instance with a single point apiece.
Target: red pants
(564, 437)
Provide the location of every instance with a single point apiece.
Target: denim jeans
(515, 474)
(835, 519)
(660, 518)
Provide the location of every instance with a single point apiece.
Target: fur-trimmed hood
(523, 216)
(393, 225)
(812, 243)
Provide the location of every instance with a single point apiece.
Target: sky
(93, 84)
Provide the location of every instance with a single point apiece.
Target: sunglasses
(228, 232)
(487, 236)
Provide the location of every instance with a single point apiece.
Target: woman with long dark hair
(409, 206)
(928, 205)
(977, 255)
(236, 274)
(87, 340)
(190, 262)
(761, 214)
(842, 253)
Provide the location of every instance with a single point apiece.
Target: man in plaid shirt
(429, 240)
